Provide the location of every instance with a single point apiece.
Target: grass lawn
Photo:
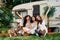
(32, 37)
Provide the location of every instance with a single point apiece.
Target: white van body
(42, 4)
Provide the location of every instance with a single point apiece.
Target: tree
(6, 17)
(50, 13)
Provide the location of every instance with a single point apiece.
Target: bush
(6, 17)
(4, 30)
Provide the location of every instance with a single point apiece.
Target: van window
(23, 13)
(36, 10)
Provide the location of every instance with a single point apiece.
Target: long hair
(24, 23)
(32, 20)
(39, 21)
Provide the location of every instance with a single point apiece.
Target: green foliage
(16, 39)
(6, 17)
(4, 30)
(47, 37)
(1, 38)
(7, 38)
(9, 4)
(16, 2)
(51, 12)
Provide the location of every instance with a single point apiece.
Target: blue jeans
(38, 33)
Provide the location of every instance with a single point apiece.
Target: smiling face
(38, 18)
(33, 18)
(27, 18)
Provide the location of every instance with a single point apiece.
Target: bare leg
(43, 33)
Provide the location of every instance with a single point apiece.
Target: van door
(36, 10)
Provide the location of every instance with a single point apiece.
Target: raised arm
(19, 15)
(45, 17)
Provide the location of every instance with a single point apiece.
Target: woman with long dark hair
(42, 30)
(41, 23)
(27, 19)
(34, 25)
(27, 24)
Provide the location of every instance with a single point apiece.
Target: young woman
(34, 25)
(41, 23)
(42, 30)
(27, 24)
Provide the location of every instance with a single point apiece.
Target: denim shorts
(39, 33)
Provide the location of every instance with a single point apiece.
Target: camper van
(32, 9)
(37, 8)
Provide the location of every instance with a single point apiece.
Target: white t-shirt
(42, 26)
(27, 26)
(32, 27)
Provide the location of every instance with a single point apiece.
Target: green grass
(32, 37)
